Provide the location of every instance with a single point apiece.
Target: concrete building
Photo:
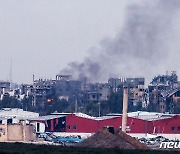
(92, 97)
(17, 132)
(96, 92)
(41, 89)
(115, 83)
(15, 126)
(4, 87)
(26, 89)
(136, 89)
(67, 88)
(63, 77)
(163, 91)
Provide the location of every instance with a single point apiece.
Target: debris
(106, 138)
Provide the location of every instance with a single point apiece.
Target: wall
(17, 132)
(115, 122)
(168, 125)
(41, 126)
(139, 125)
(77, 124)
(81, 124)
(3, 133)
(133, 125)
(92, 126)
(29, 133)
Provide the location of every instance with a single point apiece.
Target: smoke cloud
(147, 45)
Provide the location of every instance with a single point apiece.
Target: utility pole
(99, 109)
(10, 74)
(76, 106)
(26, 106)
(34, 93)
(33, 78)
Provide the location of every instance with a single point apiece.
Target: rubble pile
(112, 138)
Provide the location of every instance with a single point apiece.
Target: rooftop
(47, 117)
(149, 115)
(146, 115)
(17, 113)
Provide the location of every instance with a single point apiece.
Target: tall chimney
(125, 106)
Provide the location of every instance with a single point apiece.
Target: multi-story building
(66, 87)
(96, 92)
(162, 90)
(41, 90)
(4, 88)
(135, 86)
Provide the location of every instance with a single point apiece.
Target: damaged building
(97, 92)
(66, 88)
(41, 90)
(136, 88)
(163, 92)
(4, 89)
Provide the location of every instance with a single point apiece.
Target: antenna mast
(10, 78)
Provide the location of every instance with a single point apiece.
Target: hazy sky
(43, 36)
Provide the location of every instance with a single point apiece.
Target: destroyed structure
(64, 87)
(164, 92)
(161, 95)
(4, 88)
(136, 88)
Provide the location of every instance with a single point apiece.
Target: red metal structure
(81, 124)
(74, 123)
(167, 125)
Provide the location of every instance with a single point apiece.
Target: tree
(115, 103)
(177, 107)
(10, 102)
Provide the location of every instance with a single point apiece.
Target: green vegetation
(112, 105)
(177, 107)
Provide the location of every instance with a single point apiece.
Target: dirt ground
(116, 139)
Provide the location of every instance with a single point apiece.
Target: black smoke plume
(147, 45)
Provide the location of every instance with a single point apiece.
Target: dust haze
(147, 45)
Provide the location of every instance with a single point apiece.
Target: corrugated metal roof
(48, 117)
(106, 117)
(62, 113)
(78, 114)
(17, 113)
(144, 115)
(149, 116)
(83, 115)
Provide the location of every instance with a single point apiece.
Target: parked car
(68, 139)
